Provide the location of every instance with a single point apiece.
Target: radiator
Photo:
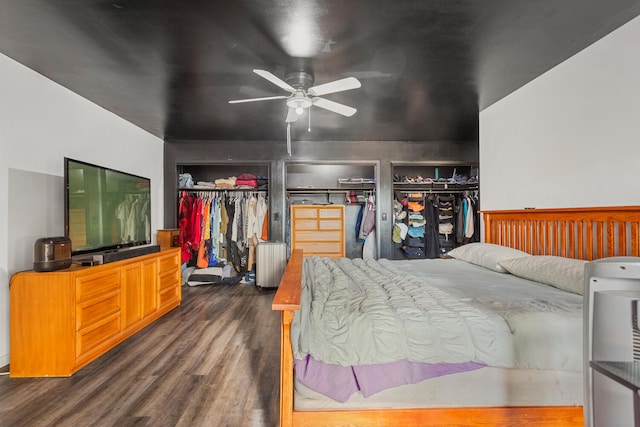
(271, 259)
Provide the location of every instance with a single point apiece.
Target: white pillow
(487, 255)
(563, 273)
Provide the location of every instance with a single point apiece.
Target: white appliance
(271, 260)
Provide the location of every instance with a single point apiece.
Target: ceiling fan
(303, 96)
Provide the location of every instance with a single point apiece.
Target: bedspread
(359, 312)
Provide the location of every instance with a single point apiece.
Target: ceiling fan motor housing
(301, 80)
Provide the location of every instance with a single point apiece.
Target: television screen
(105, 209)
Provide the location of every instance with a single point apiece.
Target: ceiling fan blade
(292, 116)
(275, 80)
(336, 86)
(266, 98)
(334, 106)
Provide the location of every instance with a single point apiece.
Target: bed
(562, 235)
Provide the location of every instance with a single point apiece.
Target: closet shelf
(314, 190)
(434, 187)
(356, 183)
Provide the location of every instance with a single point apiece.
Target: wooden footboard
(584, 233)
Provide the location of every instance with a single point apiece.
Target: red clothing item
(247, 183)
(185, 213)
(190, 224)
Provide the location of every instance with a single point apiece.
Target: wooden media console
(60, 321)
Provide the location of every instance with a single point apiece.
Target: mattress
(484, 387)
(464, 312)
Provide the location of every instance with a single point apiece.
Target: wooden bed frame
(583, 233)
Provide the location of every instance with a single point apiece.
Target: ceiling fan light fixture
(299, 102)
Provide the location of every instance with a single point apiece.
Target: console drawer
(94, 335)
(89, 312)
(168, 296)
(90, 286)
(168, 263)
(167, 280)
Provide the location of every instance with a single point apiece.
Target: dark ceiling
(426, 67)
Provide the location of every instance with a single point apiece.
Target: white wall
(41, 123)
(571, 137)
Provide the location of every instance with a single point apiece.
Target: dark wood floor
(214, 361)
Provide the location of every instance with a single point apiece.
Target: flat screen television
(105, 209)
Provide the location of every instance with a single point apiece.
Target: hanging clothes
(432, 242)
(369, 247)
(265, 226)
(185, 223)
(205, 242)
(224, 224)
(214, 222)
(369, 223)
(359, 223)
(469, 228)
(221, 226)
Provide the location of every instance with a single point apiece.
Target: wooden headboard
(583, 233)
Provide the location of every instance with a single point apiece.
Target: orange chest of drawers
(60, 321)
(318, 230)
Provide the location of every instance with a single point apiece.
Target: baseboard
(4, 362)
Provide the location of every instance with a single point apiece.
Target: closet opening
(435, 208)
(342, 198)
(222, 212)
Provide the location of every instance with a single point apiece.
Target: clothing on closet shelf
(243, 181)
(221, 226)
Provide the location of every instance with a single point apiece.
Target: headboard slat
(571, 239)
(584, 228)
(562, 231)
(622, 238)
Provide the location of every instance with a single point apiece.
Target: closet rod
(246, 190)
(434, 191)
(326, 191)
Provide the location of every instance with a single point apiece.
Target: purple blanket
(340, 382)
